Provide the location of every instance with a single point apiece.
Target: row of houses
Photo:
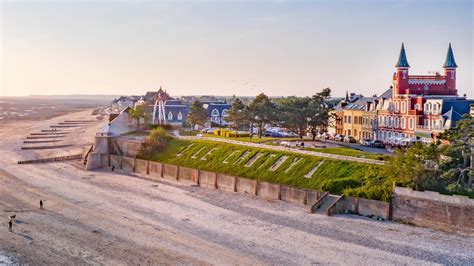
(165, 109)
(415, 107)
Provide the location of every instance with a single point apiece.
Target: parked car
(350, 139)
(324, 136)
(365, 142)
(377, 144)
(210, 130)
(267, 133)
(339, 137)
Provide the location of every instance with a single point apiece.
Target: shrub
(156, 142)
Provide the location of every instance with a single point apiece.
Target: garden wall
(431, 209)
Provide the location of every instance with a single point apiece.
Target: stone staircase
(323, 205)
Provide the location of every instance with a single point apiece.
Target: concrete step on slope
(327, 203)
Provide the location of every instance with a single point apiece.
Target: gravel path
(104, 217)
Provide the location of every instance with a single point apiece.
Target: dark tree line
(297, 114)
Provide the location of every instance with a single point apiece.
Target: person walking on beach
(41, 204)
(113, 167)
(10, 225)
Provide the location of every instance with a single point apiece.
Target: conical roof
(402, 58)
(450, 62)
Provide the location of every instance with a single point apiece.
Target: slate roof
(402, 58)
(219, 106)
(450, 62)
(360, 103)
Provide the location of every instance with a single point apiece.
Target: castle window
(417, 107)
(225, 112)
(170, 116)
(397, 107)
(396, 122)
(404, 107)
(180, 116)
(411, 122)
(403, 122)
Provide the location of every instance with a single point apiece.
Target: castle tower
(450, 70)
(401, 74)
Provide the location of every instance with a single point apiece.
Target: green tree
(138, 112)
(294, 114)
(197, 114)
(261, 111)
(321, 112)
(238, 114)
(461, 138)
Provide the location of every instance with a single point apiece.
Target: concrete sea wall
(431, 209)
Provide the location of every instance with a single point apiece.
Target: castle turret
(401, 74)
(450, 70)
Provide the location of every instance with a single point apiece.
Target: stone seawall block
(268, 191)
(116, 161)
(188, 174)
(294, 195)
(207, 179)
(141, 166)
(93, 161)
(155, 170)
(441, 212)
(170, 171)
(104, 160)
(313, 196)
(244, 185)
(226, 182)
(374, 207)
(128, 164)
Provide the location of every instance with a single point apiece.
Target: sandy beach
(104, 217)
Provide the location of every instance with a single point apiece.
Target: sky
(280, 48)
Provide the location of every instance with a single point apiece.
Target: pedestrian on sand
(302, 144)
(10, 225)
(41, 204)
(113, 167)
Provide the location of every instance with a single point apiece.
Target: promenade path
(287, 149)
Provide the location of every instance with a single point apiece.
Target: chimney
(376, 103)
(367, 105)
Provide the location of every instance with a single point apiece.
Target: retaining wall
(128, 164)
(155, 169)
(185, 173)
(104, 160)
(294, 195)
(226, 182)
(141, 166)
(268, 190)
(361, 206)
(207, 179)
(244, 185)
(431, 209)
(170, 171)
(116, 161)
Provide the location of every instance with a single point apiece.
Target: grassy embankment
(337, 177)
(351, 152)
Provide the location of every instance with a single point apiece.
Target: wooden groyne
(53, 159)
(50, 134)
(41, 141)
(64, 126)
(45, 147)
(55, 130)
(45, 137)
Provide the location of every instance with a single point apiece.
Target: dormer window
(180, 116)
(215, 112)
(170, 116)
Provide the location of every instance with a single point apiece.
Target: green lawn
(254, 139)
(338, 177)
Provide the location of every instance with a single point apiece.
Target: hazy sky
(225, 48)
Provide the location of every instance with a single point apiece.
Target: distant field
(44, 107)
(337, 177)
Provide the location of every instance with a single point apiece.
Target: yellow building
(359, 118)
